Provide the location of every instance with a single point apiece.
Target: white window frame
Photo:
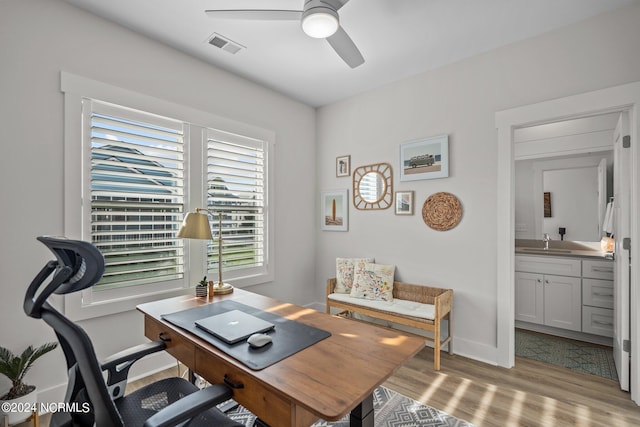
(77, 221)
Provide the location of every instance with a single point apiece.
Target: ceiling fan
(319, 19)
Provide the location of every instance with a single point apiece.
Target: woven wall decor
(442, 211)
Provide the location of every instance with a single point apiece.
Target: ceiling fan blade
(346, 48)
(256, 15)
(335, 4)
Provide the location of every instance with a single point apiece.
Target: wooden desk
(327, 380)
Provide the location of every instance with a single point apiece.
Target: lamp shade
(195, 226)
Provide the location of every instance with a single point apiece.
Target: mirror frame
(385, 200)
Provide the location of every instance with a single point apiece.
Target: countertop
(564, 253)
(562, 249)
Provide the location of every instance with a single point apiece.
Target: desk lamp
(196, 226)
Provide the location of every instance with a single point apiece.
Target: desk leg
(362, 415)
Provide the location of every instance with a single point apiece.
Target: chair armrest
(190, 406)
(117, 365)
(132, 354)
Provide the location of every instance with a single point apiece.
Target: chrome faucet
(545, 239)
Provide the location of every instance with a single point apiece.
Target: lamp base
(223, 289)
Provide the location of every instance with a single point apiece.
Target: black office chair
(168, 402)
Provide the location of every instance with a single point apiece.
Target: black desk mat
(289, 337)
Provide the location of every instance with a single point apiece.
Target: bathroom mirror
(372, 186)
(563, 177)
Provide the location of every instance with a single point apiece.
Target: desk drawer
(259, 398)
(177, 346)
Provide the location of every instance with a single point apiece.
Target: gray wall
(460, 100)
(38, 39)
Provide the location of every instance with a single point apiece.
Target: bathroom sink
(546, 251)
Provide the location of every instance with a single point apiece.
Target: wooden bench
(417, 306)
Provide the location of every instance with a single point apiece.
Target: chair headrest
(83, 258)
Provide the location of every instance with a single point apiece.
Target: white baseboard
(317, 306)
(475, 350)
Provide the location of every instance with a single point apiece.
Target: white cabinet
(562, 302)
(564, 292)
(545, 297)
(529, 297)
(597, 297)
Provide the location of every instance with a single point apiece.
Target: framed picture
(335, 210)
(343, 166)
(547, 204)
(404, 202)
(425, 159)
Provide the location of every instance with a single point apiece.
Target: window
(137, 195)
(236, 191)
(134, 165)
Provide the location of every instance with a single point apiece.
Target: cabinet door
(563, 302)
(529, 296)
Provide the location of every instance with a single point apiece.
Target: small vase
(201, 291)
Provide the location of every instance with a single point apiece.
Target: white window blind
(137, 195)
(236, 188)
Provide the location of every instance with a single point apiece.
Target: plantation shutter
(137, 195)
(236, 188)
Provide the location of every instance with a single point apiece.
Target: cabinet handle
(595, 322)
(231, 384)
(546, 281)
(602, 269)
(539, 280)
(597, 294)
(162, 337)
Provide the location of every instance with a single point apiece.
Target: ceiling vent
(225, 44)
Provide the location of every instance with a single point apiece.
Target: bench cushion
(398, 306)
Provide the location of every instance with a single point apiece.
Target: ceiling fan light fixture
(320, 22)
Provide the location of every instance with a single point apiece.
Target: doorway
(616, 99)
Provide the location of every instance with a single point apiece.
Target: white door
(621, 228)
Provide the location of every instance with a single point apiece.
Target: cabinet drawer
(177, 346)
(249, 392)
(597, 269)
(597, 293)
(546, 265)
(598, 321)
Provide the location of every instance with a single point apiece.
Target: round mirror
(372, 186)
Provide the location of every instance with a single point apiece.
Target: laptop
(233, 326)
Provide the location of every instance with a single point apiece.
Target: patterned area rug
(391, 409)
(580, 356)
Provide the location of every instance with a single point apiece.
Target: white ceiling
(398, 38)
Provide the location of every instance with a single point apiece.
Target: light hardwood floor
(531, 394)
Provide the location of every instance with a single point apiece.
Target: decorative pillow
(345, 270)
(374, 282)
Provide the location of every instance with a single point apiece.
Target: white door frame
(619, 98)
